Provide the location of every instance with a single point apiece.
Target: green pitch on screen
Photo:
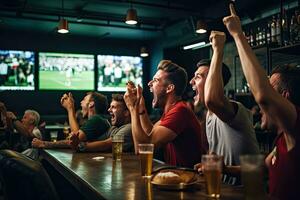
(55, 80)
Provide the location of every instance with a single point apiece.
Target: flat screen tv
(116, 71)
(64, 71)
(16, 70)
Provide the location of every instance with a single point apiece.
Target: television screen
(62, 71)
(16, 70)
(116, 71)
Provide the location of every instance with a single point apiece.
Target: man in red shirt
(279, 100)
(178, 130)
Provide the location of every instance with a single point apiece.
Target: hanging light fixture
(131, 17)
(144, 52)
(63, 26)
(201, 27)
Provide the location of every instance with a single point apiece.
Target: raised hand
(131, 97)
(232, 22)
(67, 101)
(217, 40)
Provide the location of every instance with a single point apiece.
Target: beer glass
(146, 156)
(212, 169)
(252, 167)
(117, 146)
(53, 136)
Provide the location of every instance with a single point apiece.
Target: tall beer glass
(212, 169)
(117, 146)
(146, 156)
(252, 167)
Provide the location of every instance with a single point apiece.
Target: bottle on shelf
(278, 30)
(257, 37)
(273, 30)
(293, 29)
(263, 36)
(252, 38)
(268, 33)
(285, 29)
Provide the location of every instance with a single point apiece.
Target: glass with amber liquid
(212, 169)
(146, 157)
(117, 147)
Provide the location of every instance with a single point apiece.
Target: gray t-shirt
(124, 130)
(232, 139)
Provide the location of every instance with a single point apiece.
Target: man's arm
(214, 97)
(158, 135)
(281, 111)
(104, 145)
(67, 101)
(19, 126)
(37, 143)
(144, 117)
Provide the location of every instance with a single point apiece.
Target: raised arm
(67, 101)
(214, 97)
(158, 135)
(144, 117)
(281, 111)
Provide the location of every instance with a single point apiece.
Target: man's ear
(170, 88)
(91, 104)
(286, 94)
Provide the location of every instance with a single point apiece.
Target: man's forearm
(254, 73)
(138, 134)
(104, 145)
(72, 121)
(145, 122)
(57, 144)
(21, 129)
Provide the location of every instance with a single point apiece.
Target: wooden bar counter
(112, 180)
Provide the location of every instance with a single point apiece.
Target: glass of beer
(252, 167)
(146, 156)
(117, 146)
(53, 136)
(212, 169)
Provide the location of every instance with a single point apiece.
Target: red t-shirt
(190, 143)
(284, 172)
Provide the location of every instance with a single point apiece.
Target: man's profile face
(158, 86)
(85, 105)
(198, 83)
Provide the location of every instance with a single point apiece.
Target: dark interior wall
(47, 102)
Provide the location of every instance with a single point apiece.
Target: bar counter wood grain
(113, 180)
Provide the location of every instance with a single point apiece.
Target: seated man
(93, 107)
(279, 101)
(229, 126)
(120, 120)
(178, 131)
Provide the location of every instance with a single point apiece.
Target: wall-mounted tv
(116, 71)
(64, 71)
(16, 70)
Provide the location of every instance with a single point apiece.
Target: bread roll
(167, 178)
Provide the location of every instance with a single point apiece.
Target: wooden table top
(108, 179)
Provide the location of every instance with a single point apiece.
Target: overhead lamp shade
(201, 27)
(131, 17)
(63, 26)
(144, 52)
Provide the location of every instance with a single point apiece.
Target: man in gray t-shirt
(229, 127)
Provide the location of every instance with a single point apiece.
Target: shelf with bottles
(282, 29)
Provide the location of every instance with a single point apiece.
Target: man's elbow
(214, 104)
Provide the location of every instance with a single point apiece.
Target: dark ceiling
(105, 18)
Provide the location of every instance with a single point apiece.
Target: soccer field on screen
(59, 80)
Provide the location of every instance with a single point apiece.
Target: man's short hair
(289, 80)
(100, 102)
(119, 98)
(35, 116)
(226, 74)
(176, 75)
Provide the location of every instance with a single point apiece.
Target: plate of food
(175, 178)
